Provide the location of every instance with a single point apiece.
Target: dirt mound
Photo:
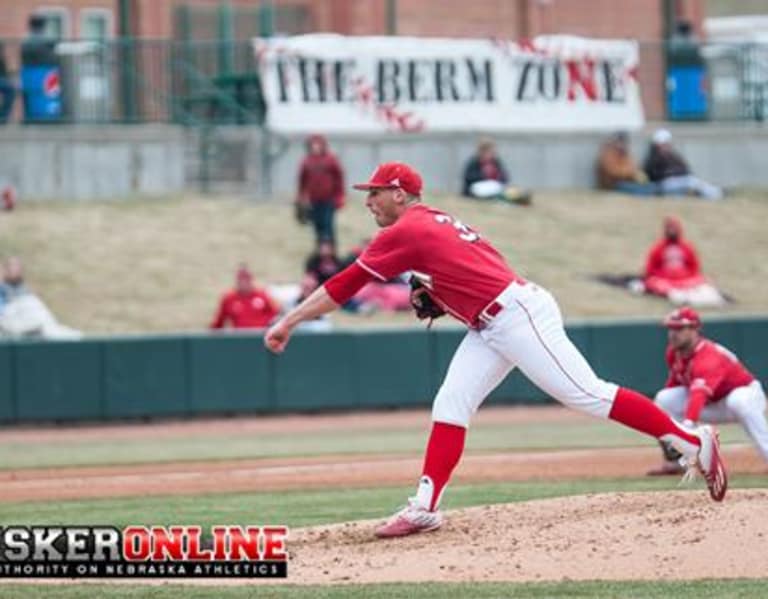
(621, 536)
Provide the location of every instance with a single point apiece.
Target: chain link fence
(216, 82)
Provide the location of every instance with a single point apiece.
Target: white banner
(338, 84)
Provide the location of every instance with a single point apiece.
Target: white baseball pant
(527, 334)
(745, 405)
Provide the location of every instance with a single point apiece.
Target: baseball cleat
(412, 519)
(710, 464)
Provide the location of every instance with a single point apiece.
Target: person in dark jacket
(666, 167)
(486, 178)
(321, 187)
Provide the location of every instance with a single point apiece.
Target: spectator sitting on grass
(247, 306)
(22, 313)
(486, 178)
(386, 296)
(666, 167)
(673, 270)
(617, 171)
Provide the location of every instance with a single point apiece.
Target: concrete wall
(64, 162)
(92, 162)
(729, 155)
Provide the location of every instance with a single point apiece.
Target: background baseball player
(707, 383)
(513, 323)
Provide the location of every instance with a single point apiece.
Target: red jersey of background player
(462, 271)
(245, 311)
(711, 372)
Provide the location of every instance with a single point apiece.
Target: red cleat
(710, 463)
(410, 520)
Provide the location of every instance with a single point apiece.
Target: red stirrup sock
(444, 449)
(636, 411)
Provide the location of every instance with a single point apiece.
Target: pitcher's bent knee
(452, 407)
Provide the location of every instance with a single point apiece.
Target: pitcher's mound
(621, 536)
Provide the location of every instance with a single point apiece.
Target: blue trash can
(687, 94)
(42, 93)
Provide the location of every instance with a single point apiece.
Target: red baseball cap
(394, 175)
(683, 317)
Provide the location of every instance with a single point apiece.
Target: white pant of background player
(527, 334)
(745, 405)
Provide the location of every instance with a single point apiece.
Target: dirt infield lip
(294, 423)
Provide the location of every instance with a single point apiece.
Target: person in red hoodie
(321, 186)
(673, 270)
(247, 306)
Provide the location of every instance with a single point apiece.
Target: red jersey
(245, 311)
(711, 372)
(672, 260)
(463, 272)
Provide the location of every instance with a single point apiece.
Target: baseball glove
(423, 304)
(301, 211)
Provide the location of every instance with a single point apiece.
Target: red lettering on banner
(219, 543)
(194, 553)
(244, 544)
(136, 544)
(168, 545)
(274, 542)
(577, 77)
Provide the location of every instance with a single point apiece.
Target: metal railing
(216, 82)
(134, 81)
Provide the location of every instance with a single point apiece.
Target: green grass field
(700, 589)
(36, 452)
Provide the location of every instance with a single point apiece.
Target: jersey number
(464, 231)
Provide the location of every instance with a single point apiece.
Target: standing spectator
(247, 306)
(617, 171)
(7, 88)
(486, 178)
(672, 269)
(667, 168)
(321, 187)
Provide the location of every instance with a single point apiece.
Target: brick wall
(638, 19)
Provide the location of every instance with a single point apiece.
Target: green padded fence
(144, 377)
(7, 381)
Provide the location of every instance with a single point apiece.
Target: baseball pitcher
(512, 322)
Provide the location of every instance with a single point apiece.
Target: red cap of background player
(682, 317)
(393, 175)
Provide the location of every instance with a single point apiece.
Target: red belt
(492, 310)
(488, 314)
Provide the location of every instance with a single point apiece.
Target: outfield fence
(194, 375)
